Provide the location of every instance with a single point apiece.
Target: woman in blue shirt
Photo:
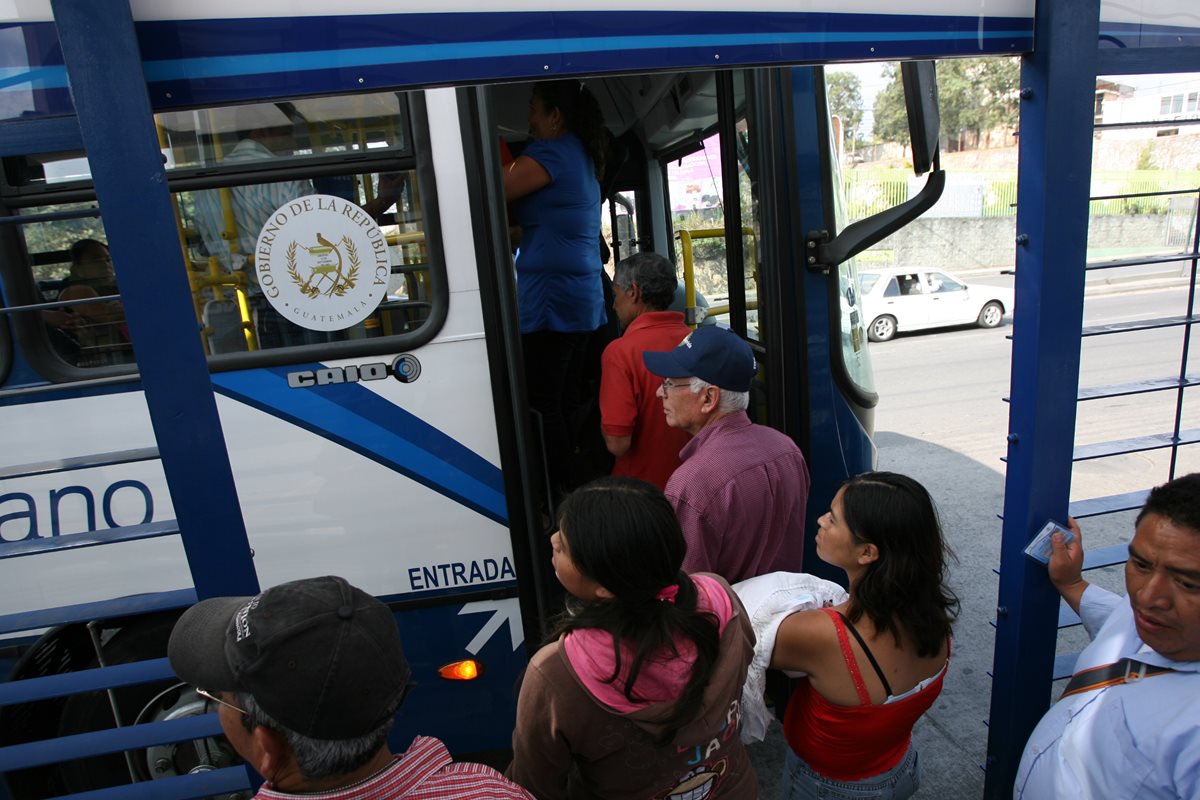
(554, 189)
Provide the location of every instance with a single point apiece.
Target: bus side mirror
(919, 79)
(921, 100)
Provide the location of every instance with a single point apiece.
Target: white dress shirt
(1133, 740)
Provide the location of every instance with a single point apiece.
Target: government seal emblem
(322, 262)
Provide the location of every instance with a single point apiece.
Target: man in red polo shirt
(631, 416)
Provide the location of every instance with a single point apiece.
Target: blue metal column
(1057, 107)
(108, 87)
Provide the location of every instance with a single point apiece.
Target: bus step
(104, 609)
(1139, 325)
(1096, 506)
(115, 740)
(184, 787)
(1135, 445)
(128, 533)
(1137, 387)
(87, 680)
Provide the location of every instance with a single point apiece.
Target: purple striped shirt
(424, 772)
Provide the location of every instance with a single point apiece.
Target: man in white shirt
(1128, 723)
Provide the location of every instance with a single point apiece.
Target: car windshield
(867, 281)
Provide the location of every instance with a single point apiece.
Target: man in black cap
(741, 491)
(308, 677)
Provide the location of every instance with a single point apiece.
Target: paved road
(943, 420)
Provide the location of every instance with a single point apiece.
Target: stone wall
(984, 243)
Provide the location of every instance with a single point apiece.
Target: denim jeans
(801, 782)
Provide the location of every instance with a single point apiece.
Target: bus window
(230, 169)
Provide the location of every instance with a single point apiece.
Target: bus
(176, 436)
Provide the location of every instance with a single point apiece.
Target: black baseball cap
(320, 656)
(713, 354)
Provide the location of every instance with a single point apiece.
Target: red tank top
(850, 743)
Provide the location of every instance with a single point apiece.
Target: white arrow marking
(502, 611)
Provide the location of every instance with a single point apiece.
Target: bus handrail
(79, 462)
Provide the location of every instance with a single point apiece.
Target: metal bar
(183, 787)
(1169, 123)
(1058, 82)
(103, 609)
(79, 462)
(74, 387)
(95, 743)
(1138, 262)
(1110, 556)
(1067, 618)
(50, 216)
(76, 541)
(19, 137)
(101, 54)
(1064, 666)
(81, 301)
(1138, 387)
(1187, 337)
(87, 680)
(1146, 60)
(1140, 325)
(1137, 444)
(1097, 506)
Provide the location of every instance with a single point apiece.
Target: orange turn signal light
(467, 670)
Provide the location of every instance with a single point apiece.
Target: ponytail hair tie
(667, 593)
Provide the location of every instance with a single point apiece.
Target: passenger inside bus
(90, 333)
(555, 192)
(653, 657)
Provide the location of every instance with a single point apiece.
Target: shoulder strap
(860, 685)
(1127, 670)
(887, 687)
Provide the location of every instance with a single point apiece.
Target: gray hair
(319, 758)
(653, 274)
(729, 402)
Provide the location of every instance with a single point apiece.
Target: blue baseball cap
(713, 354)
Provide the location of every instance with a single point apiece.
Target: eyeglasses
(210, 696)
(669, 384)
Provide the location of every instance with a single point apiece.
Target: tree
(845, 100)
(891, 119)
(975, 95)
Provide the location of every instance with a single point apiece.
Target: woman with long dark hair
(554, 189)
(637, 693)
(874, 663)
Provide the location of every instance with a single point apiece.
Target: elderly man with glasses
(742, 488)
(306, 679)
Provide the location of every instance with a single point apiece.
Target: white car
(912, 299)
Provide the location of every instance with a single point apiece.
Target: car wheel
(990, 315)
(882, 329)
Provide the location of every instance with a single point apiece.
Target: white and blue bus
(176, 437)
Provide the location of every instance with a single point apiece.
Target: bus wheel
(882, 329)
(182, 758)
(990, 315)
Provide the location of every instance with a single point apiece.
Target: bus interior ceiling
(663, 108)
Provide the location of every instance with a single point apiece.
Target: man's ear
(635, 292)
(711, 401)
(271, 750)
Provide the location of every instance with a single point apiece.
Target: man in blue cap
(741, 491)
